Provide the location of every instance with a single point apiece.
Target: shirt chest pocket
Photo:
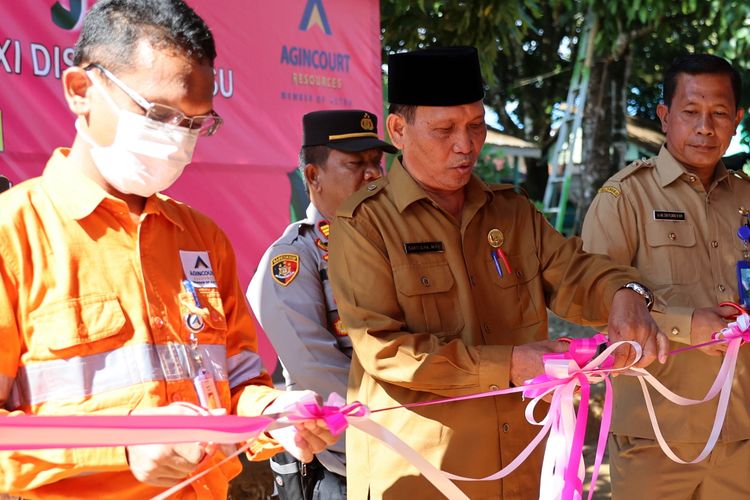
(208, 320)
(515, 291)
(672, 247)
(428, 297)
(75, 327)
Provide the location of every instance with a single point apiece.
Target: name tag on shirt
(197, 268)
(668, 215)
(424, 247)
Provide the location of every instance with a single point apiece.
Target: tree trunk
(604, 130)
(536, 176)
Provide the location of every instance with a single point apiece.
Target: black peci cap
(437, 76)
(349, 130)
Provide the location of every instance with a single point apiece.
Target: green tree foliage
(525, 49)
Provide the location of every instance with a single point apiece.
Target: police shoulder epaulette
(290, 234)
(349, 206)
(633, 168)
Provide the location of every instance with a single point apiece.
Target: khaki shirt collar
(406, 190)
(78, 196)
(669, 169)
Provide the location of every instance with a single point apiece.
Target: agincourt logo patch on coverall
(197, 268)
(284, 268)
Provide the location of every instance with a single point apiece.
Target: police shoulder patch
(284, 268)
(611, 190)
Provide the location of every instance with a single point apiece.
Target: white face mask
(146, 156)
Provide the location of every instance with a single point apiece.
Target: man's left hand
(629, 319)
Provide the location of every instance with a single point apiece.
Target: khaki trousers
(640, 470)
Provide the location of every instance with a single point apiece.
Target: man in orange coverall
(115, 299)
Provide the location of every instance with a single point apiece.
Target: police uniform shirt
(658, 217)
(291, 296)
(429, 316)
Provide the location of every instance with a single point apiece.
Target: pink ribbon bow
(334, 412)
(563, 469)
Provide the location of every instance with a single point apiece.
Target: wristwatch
(641, 290)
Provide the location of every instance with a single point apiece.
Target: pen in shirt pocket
(189, 287)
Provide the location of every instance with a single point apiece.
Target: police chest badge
(284, 268)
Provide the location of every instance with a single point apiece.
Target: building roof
(512, 146)
(643, 134)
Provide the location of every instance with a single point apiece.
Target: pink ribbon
(335, 412)
(734, 335)
(25, 432)
(563, 468)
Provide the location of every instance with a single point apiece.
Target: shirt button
(493, 387)
(372, 187)
(425, 280)
(714, 243)
(675, 330)
(721, 288)
(692, 178)
(506, 427)
(672, 236)
(158, 322)
(519, 274)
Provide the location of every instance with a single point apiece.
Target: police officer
(675, 217)
(291, 294)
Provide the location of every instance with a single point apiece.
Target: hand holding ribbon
(302, 434)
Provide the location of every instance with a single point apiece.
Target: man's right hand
(705, 323)
(165, 464)
(526, 360)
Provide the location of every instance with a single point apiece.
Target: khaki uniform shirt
(656, 216)
(430, 317)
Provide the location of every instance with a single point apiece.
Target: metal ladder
(562, 163)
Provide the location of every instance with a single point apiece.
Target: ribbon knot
(581, 361)
(334, 412)
(739, 329)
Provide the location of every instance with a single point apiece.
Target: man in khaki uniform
(675, 217)
(443, 281)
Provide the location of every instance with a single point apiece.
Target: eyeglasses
(206, 125)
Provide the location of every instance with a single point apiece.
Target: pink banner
(277, 61)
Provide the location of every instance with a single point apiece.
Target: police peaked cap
(437, 76)
(349, 130)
